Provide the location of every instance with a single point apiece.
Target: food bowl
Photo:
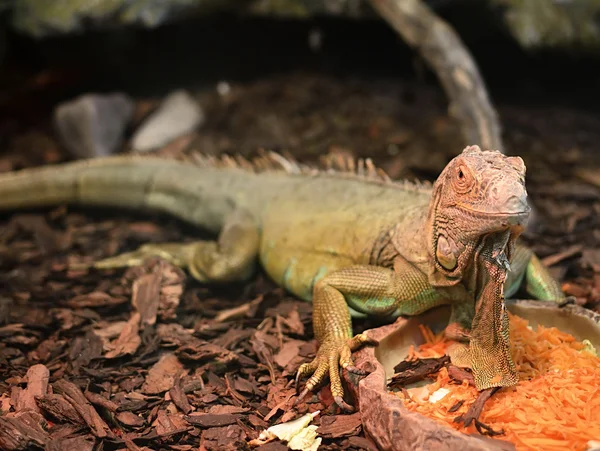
(392, 426)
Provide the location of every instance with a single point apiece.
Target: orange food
(555, 406)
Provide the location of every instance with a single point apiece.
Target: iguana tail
(199, 195)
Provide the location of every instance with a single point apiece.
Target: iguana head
(478, 194)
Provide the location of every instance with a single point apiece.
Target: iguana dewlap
(350, 240)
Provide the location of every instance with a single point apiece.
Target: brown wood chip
(59, 408)
(475, 410)
(146, 296)
(410, 371)
(208, 420)
(75, 397)
(95, 299)
(37, 385)
(460, 374)
(101, 401)
(161, 376)
(22, 432)
(130, 419)
(70, 444)
(179, 397)
(340, 425)
(128, 341)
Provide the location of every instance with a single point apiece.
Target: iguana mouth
(500, 221)
(520, 213)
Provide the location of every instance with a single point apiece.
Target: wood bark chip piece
(166, 424)
(192, 348)
(146, 296)
(257, 422)
(263, 352)
(70, 444)
(22, 432)
(37, 385)
(245, 386)
(287, 352)
(410, 371)
(247, 309)
(441, 47)
(130, 419)
(101, 401)
(340, 425)
(162, 375)
(157, 289)
(227, 438)
(475, 410)
(174, 333)
(221, 409)
(60, 409)
(201, 351)
(208, 420)
(62, 431)
(75, 397)
(362, 443)
(238, 398)
(293, 322)
(128, 341)
(179, 397)
(95, 299)
(460, 374)
(84, 349)
(233, 338)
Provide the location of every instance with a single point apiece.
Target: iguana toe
(343, 404)
(360, 340)
(331, 356)
(305, 368)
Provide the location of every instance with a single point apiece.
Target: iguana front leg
(526, 266)
(368, 289)
(231, 258)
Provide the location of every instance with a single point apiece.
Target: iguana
(347, 238)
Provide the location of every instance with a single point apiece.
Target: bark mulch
(142, 358)
(146, 358)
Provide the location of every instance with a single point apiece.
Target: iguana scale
(348, 239)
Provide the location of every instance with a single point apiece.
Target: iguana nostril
(516, 204)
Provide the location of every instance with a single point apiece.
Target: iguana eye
(464, 180)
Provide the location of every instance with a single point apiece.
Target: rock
(93, 125)
(177, 115)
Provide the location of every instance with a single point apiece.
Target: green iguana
(348, 238)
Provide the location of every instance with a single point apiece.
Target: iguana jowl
(352, 241)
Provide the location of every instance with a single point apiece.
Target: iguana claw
(332, 355)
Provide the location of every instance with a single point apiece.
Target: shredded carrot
(556, 404)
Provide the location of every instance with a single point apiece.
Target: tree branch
(441, 47)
